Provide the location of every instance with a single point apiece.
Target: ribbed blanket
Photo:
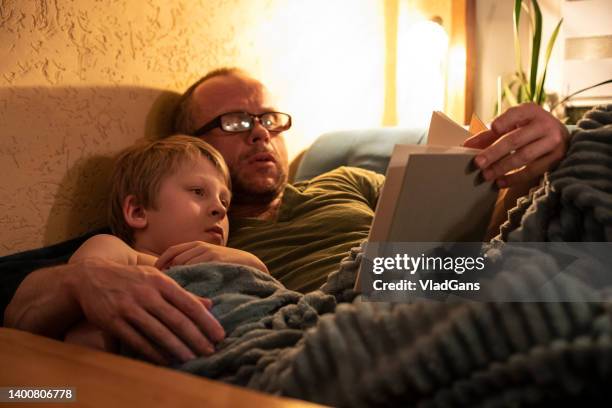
(331, 347)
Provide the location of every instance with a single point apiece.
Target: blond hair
(140, 169)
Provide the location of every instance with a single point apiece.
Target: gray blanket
(330, 347)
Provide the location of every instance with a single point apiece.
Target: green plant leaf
(517, 46)
(523, 85)
(535, 49)
(530, 17)
(551, 43)
(509, 96)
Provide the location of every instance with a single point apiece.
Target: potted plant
(528, 87)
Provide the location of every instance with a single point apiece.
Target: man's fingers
(120, 299)
(205, 321)
(514, 117)
(507, 144)
(208, 304)
(158, 332)
(521, 157)
(182, 327)
(481, 140)
(531, 171)
(138, 343)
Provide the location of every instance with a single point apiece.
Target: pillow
(369, 149)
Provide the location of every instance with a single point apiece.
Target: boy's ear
(134, 214)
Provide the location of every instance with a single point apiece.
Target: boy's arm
(190, 253)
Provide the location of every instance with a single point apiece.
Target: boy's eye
(198, 191)
(225, 203)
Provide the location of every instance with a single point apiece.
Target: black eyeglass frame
(216, 123)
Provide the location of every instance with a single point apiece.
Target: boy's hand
(190, 253)
(523, 143)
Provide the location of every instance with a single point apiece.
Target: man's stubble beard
(245, 193)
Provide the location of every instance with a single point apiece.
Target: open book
(434, 193)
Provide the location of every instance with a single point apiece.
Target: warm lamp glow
(422, 52)
(325, 62)
(456, 71)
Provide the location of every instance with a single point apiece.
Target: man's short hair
(141, 168)
(183, 115)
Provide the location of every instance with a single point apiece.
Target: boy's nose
(218, 210)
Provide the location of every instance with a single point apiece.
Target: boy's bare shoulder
(108, 247)
(107, 239)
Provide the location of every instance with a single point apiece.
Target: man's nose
(259, 134)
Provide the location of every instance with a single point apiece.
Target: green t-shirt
(318, 222)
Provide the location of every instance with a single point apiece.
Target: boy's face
(191, 206)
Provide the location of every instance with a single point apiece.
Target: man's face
(257, 159)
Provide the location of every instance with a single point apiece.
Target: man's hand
(190, 253)
(523, 143)
(137, 304)
(87, 335)
(146, 309)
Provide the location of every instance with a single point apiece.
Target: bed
(321, 347)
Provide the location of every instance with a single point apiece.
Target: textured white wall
(80, 80)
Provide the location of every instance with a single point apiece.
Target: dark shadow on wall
(57, 153)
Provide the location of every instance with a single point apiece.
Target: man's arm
(43, 304)
(125, 301)
(47, 292)
(522, 144)
(506, 200)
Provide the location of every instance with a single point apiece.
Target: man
(265, 208)
(50, 300)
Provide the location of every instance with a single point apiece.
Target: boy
(169, 202)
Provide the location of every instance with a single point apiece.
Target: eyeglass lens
(240, 122)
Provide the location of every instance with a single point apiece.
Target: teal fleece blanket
(331, 347)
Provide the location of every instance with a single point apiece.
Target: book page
(476, 125)
(444, 132)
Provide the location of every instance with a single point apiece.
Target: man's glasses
(235, 122)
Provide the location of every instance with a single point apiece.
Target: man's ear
(134, 214)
